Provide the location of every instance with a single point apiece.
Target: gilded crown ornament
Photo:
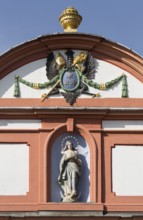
(70, 19)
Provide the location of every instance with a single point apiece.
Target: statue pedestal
(70, 199)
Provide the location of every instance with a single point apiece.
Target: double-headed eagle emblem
(68, 74)
(71, 75)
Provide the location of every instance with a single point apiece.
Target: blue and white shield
(69, 80)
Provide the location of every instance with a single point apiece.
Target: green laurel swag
(45, 85)
(109, 84)
(16, 87)
(84, 79)
(124, 87)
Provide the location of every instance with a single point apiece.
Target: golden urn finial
(70, 19)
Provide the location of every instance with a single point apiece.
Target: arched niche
(82, 147)
(86, 147)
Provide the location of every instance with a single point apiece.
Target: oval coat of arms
(70, 80)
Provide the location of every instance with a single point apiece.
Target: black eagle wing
(89, 67)
(51, 66)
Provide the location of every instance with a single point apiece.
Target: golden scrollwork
(36, 85)
(60, 60)
(80, 58)
(102, 86)
(70, 19)
(97, 95)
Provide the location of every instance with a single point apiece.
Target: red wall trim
(98, 46)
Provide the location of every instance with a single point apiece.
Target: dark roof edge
(69, 33)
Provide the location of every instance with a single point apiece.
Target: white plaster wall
(84, 154)
(122, 124)
(14, 169)
(36, 72)
(107, 72)
(19, 124)
(32, 72)
(127, 174)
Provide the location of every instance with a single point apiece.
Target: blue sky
(118, 20)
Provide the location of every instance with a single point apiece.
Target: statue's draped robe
(70, 170)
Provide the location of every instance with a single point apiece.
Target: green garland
(32, 85)
(124, 87)
(90, 83)
(109, 84)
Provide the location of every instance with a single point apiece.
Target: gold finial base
(70, 30)
(70, 19)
